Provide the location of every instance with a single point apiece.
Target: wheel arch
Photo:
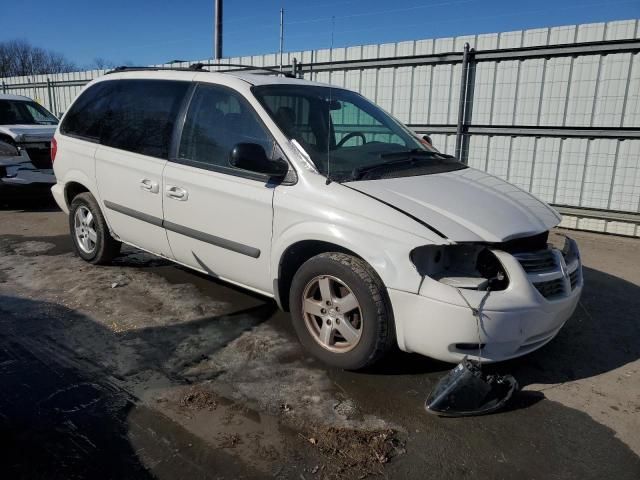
(387, 255)
(76, 182)
(292, 259)
(72, 189)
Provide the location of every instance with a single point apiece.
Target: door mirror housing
(252, 157)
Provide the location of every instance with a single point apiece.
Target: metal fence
(555, 111)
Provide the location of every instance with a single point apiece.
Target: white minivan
(314, 196)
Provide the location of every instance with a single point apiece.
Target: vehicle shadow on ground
(36, 202)
(63, 415)
(602, 335)
(174, 349)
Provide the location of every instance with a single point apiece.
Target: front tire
(341, 311)
(89, 231)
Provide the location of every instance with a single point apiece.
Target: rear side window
(133, 115)
(141, 116)
(217, 120)
(84, 118)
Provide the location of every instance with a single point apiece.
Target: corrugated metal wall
(584, 90)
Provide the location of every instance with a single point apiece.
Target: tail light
(54, 149)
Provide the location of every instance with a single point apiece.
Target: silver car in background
(26, 130)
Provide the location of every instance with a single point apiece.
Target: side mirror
(252, 157)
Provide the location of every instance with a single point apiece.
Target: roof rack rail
(200, 67)
(127, 68)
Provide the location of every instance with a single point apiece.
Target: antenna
(281, 35)
(217, 30)
(333, 29)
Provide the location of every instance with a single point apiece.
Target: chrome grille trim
(540, 261)
(551, 289)
(553, 273)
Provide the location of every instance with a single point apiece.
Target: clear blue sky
(155, 31)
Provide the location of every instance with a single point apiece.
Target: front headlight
(463, 266)
(8, 150)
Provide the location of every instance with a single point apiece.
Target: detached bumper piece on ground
(466, 392)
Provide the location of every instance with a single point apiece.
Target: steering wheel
(349, 136)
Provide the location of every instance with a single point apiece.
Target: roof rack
(127, 68)
(200, 67)
(236, 66)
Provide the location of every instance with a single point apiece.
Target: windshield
(24, 112)
(342, 132)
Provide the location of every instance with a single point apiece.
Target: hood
(465, 205)
(29, 133)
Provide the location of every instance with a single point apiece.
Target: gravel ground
(145, 369)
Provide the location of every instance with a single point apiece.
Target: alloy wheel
(332, 314)
(84, 224)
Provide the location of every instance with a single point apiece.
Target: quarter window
(217, 120)
(85, 117)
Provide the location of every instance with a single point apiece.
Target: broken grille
(573, 277)
(552, 288)
(536, 262)
(551, 274)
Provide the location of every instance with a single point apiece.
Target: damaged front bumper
(543, 291)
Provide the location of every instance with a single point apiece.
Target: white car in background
(26, 130)
(316, 197)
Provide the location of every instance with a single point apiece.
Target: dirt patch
(199, 399)
(230, 440)
(354, 453)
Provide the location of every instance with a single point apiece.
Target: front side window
(346, 135)
(217, 120)
(24, 112)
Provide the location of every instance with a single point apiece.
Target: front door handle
(149, 186)
(177, 193)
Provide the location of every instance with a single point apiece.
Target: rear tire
(341, 311)
(89, 230)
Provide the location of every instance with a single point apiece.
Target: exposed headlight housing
(467, 266)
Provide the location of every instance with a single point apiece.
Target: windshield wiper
(415, 152)
(406, 157)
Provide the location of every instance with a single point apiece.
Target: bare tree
(20, 58)
(102, 63)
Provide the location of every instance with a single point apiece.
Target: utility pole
(281, 35)
(217, 33)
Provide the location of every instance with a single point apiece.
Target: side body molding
(189, 232)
